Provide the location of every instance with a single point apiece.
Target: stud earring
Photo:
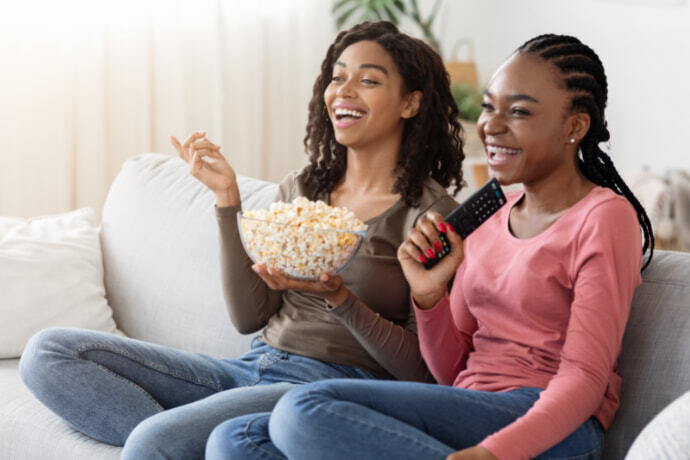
(572, 140)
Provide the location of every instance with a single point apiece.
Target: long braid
(584, 76)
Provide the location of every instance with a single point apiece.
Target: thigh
(171, 377)
(182, 432)
(456, 417)
(585, 443)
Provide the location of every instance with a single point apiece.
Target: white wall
(645, 48)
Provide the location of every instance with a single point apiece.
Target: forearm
(444, 348)
(395, 348)
(562, 407)
(249, 301)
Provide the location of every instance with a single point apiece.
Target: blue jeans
(157, 401)
(338, 419)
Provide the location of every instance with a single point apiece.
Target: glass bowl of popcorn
(301, 239)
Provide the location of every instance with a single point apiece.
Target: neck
(556, 193)
(371, 170)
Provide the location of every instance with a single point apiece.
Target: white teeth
(348, 112)
(501, 150)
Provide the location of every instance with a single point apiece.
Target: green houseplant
(469, 101)
(348, 12)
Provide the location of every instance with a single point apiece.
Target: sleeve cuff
(229, 211)
(346, 305)
(420, 313)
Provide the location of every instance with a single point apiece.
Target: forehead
(527, 74)
(366, 52)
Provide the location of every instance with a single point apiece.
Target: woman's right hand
(209, 166)
(429, 286)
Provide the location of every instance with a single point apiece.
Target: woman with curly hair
(383, 141)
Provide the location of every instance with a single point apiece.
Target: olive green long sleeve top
(374, 329)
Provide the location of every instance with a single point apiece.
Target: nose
(491, 124)
(345, 89)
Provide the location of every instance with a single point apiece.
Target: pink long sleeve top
(546, 312)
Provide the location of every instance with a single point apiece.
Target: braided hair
(583, 74)
(431, 140)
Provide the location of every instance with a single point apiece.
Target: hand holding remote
(429, 286)
(474, 211)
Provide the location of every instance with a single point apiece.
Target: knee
(298, 412)
(241, 437)
(225, 440)
(44, 348)
(149, 439)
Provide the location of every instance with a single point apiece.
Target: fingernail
(255, 268)
(438, 246)
(430, 253)
(450, 227)
(422, 258)
(442, 227)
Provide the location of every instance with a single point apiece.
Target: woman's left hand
(472, 453)
(329, 287)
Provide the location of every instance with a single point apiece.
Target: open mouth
(347, 114)
(499, 153)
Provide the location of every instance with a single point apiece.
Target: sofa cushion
(51, 274)
(161, 256)
(655, 362)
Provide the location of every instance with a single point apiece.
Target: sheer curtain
(85, 84)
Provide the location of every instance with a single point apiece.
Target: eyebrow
(514, 97)
(366, 66)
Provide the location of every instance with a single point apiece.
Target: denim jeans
(338, 419)
(157, 401)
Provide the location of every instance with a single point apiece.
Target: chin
(503, 178)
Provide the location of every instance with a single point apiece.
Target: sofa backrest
(160, 253)
(655, 359)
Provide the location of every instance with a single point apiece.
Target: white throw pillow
(51, 274)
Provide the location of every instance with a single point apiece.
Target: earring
(572, 140)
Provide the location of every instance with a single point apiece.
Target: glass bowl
(298, 251)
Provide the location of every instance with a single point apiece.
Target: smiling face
(526, 123)
(365, 98)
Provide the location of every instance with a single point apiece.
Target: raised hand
(209, 166)
(429, 286)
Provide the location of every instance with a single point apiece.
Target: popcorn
(301, 239)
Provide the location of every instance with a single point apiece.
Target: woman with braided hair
(525, 343)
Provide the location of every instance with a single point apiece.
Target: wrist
(226, 198)
(337, 297)
(427, 301)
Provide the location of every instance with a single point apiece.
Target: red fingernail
(442, 227)
(422, 258)
(451, 228)
(430, 253)
(437, 245)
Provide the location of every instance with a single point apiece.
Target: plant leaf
(434, 12)
(339, 4)
(400, 6)
(414, 14)
(342, 19)
(391, 16)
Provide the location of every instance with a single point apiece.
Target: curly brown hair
(432, 140)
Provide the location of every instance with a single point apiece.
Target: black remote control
(476, 209)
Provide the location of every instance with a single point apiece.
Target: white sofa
(162, 280)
